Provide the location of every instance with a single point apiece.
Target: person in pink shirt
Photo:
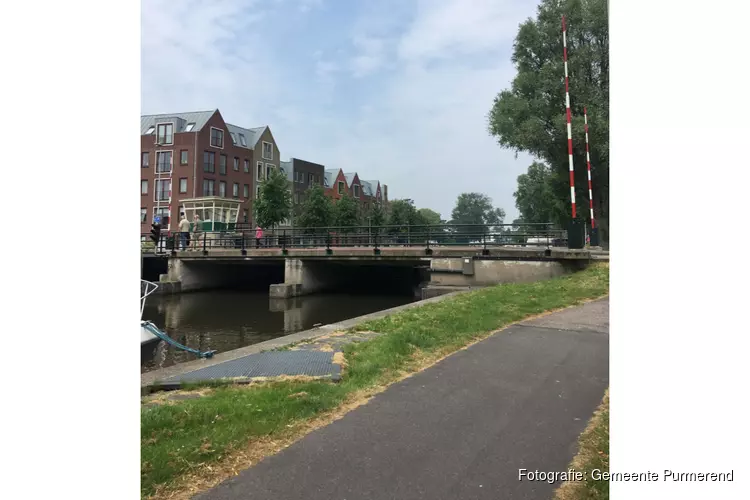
(258, 236)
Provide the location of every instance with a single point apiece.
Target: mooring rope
(166, 338)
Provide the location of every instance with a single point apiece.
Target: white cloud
(450, 28)
(370, 55)
(421, 127)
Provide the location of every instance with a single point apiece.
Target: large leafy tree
(535, 198)
(274, 204)
(429, 216)
(375, 215)
(346, 213)
(476, 208)
(316, 211)
(530, 115)
(403, 213)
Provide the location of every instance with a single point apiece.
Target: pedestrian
(258, 235)
(184, 231)
(196, 231)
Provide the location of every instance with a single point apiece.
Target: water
(225, 320)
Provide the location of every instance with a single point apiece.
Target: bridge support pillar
(300, 278)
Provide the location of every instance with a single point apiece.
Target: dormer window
(164, 133)
(242, 140)
(234, 139)
(189, 127)
(150, 130)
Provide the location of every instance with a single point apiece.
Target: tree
(403, 213)
(429, 217)
(346, 213)
(475, 208)
(535, 198)
(316, 211)
(274, 205)
(531, 117)
(376, 215)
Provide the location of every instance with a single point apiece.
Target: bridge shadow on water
(240, 312)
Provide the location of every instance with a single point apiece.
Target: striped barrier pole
(567, 112)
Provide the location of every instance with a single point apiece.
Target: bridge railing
(426, 236)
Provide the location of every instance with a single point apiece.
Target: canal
(228, 319)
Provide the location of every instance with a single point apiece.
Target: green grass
(593, 454)
(179, 438)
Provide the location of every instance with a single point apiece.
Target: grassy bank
(194, 443)
(593, 453)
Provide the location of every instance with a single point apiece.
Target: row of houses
(197, 155)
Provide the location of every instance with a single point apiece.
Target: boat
(147, 288)
(151, 333)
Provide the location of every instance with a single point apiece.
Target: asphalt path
(460, 429)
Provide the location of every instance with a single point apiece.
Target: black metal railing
(243, 236)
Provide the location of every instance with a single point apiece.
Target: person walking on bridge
(184, 231)
(196, 231)
(258, 235)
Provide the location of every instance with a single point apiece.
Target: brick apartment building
(201, 155)
(303, 175)
(337, 183)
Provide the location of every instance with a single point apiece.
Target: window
(150, 130)
(161, 189)
(208, 187)
(247, 166)
(144, 159)
(183, 185)
(311, 180)
(144, 214)
(242, 140)
(236, 166)
(356, 190)
(267, 151)
(163, 162)
(183, 157)
(217, 138)
(234, 139)
(244, 215)
(269, 167)
(235, 190)
(296, 198)
(341, 187)
(259, 173)
(257, 191)
(144, 186)
(223, 189)
(223, 164)
(246, 191)
(209, 159)
(164, 133)
(189, 127)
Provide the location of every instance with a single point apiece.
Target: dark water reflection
(225, 320)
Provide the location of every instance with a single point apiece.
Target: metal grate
(267, 364)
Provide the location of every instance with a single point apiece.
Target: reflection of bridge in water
(229, 319)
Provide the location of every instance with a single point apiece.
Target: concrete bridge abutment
(302, 277)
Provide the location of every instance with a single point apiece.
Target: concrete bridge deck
(398, 252)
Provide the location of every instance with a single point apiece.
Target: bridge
(294, 262)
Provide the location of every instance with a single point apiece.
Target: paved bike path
(459, 429)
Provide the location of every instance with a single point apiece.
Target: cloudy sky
(398, 90)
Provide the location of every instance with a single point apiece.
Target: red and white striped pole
(567, 112)
(588, 165)
(169, 196)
